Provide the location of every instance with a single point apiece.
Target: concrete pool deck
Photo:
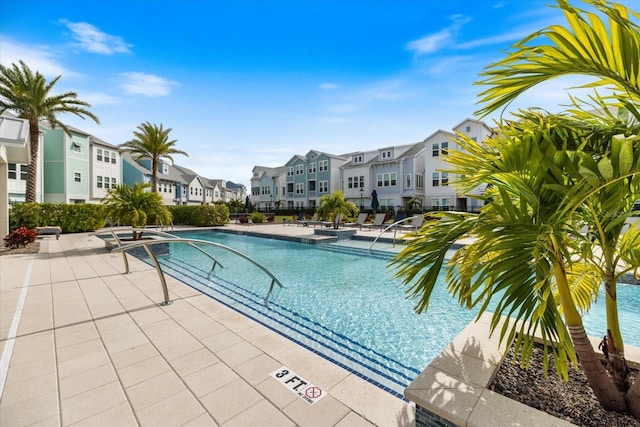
(92, 346)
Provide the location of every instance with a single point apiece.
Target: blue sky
(255, 82)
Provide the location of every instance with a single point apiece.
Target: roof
(14, 136)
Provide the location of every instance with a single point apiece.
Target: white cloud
(436, 41)
(38, 57)
(134, 83)
(93, 40)
(328, 86)
(97, 98)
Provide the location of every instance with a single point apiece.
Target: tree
(29, 96)
(136, 206)
(332, 206)
(547, 177)
(610, 52)
(152, 141)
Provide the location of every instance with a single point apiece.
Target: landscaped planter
(339, 233)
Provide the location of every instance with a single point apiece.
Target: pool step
(385, 372)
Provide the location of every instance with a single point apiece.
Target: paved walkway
(89, 345)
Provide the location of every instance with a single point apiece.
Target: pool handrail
(192, 242)
(395, 231)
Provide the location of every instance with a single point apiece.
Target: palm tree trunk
(603, 387)
(633, 398)
(32, 167)
(617, 365)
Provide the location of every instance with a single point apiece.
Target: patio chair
(306, 222)
(359, 221)
(377, 221)
(416, 222)
(295, 221)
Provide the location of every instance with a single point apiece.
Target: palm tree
(28, 96)
(610, 52)
(547, 177)
(529, 259)
(332, 206)
(136, 206)
(152, 141)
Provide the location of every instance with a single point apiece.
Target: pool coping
(453, 390)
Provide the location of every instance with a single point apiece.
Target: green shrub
(200, 216)
(258, 217)
(72, 218)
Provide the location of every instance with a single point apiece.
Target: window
(255, 191)
(435, 149)
(468, 128)
(355, 182)
(435, 203)
(323, 165)
(76, 148)
(386, 154)
(323, 186)
(290, 187)
(444, 148)
(299, 169)
(77, 177)
(357, 159)
(13, 171)
(312, 167)
(266, 190)
(444, 179)
(99, 181)
(387, 179)
(289, 170)
(444, 204)
(99, 154)
(113, 158)
(300, 188)
(436, 179)
(419, 180)
(113, 182)
(311, 186)
(407, 183)
(106, 182)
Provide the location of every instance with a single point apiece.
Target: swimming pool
(342, 303)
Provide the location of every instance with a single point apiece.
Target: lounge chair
(307, 222)
(377, 221)
(416, 222)
(359, 221)
(296, 221)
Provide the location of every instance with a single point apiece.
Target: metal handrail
(395, 231)
(192, 242)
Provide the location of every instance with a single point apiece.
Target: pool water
(343, 303)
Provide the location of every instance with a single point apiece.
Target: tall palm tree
(29, 96)
(152, 141)
(136, 206)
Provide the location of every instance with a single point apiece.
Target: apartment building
(399, 174)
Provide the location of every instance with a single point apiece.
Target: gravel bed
(572, 401)
(30, 248)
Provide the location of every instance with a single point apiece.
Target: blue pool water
(344, 304)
